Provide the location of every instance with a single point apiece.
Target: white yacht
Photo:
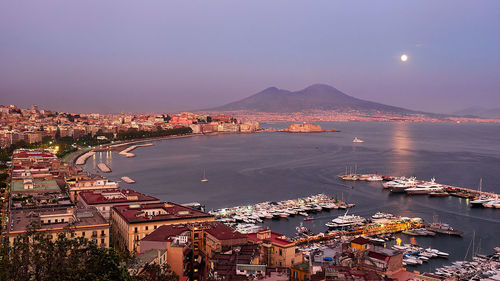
(356, 140)
(374, 178)
(346, 221)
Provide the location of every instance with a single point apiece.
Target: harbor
(242, 178)
(413, 186)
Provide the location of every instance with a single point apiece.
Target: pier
(451, 190)
(128, 180)
(104, 168)
(367, 230)
(126, 152)
(83, 158)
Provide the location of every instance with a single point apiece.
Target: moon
(404, 57)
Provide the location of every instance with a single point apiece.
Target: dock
(452, 190)
(128, 180)
(367, 230)
(104, 168)
(83, 158)
(126, 152)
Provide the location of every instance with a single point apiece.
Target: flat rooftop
(276, 238)
(138, 213)
(40, 186)
(20, 220)
(115, 196)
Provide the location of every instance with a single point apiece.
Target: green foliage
(133, 133)
(3, 176)
(36, 257)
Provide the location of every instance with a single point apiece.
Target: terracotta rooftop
(166, 232)
(360, 240)
(277, 238)
(162, 212)
(222, 231)
(115, 196)
(216, 229)
(26, 154)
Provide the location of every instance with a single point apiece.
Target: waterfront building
(82, 181)
(360, 243)
(131, 223)
(276, 249)
(382, 260)
(86, 223)
(192, 248)
(104, 200)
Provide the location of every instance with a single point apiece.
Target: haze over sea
(252, 168)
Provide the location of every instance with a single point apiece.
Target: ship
(356, 140)
(346, 221)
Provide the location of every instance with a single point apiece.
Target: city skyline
(176, 56)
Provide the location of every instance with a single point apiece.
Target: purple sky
(111, 56)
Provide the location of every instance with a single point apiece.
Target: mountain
(314, 97)
(479, 112)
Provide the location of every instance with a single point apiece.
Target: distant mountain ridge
(479, 112)
(314, 97)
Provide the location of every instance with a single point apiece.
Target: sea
(245, 169)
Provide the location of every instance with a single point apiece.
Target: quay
(127, 180)
(395, 226)
(126, 152)
(449, 189)
(104, 168)
(83, 158)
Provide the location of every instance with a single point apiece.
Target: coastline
(119, 146)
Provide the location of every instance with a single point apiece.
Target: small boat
(356, 140)
(204, 179)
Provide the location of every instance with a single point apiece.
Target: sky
(162, 56)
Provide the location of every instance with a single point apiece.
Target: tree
(155, 272)
(35, 256)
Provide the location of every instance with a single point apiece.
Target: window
(48, 221)
(94, 233)
(155, 227)
(135, 230)
(83, 233)
(102, 232)
(281, 252)
(56, 220)
(102, 240)
(146, 227)
(62, 220)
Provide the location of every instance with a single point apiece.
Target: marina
(412, 186)
(241, 178)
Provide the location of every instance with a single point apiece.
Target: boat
(346, 221)
(441, 193)
(443, 228)
(374, 178)
(402, 185)
(204, 179)
(491, 204)
(425, 188)
(356, 140)
(301, 229)
(478, 202)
